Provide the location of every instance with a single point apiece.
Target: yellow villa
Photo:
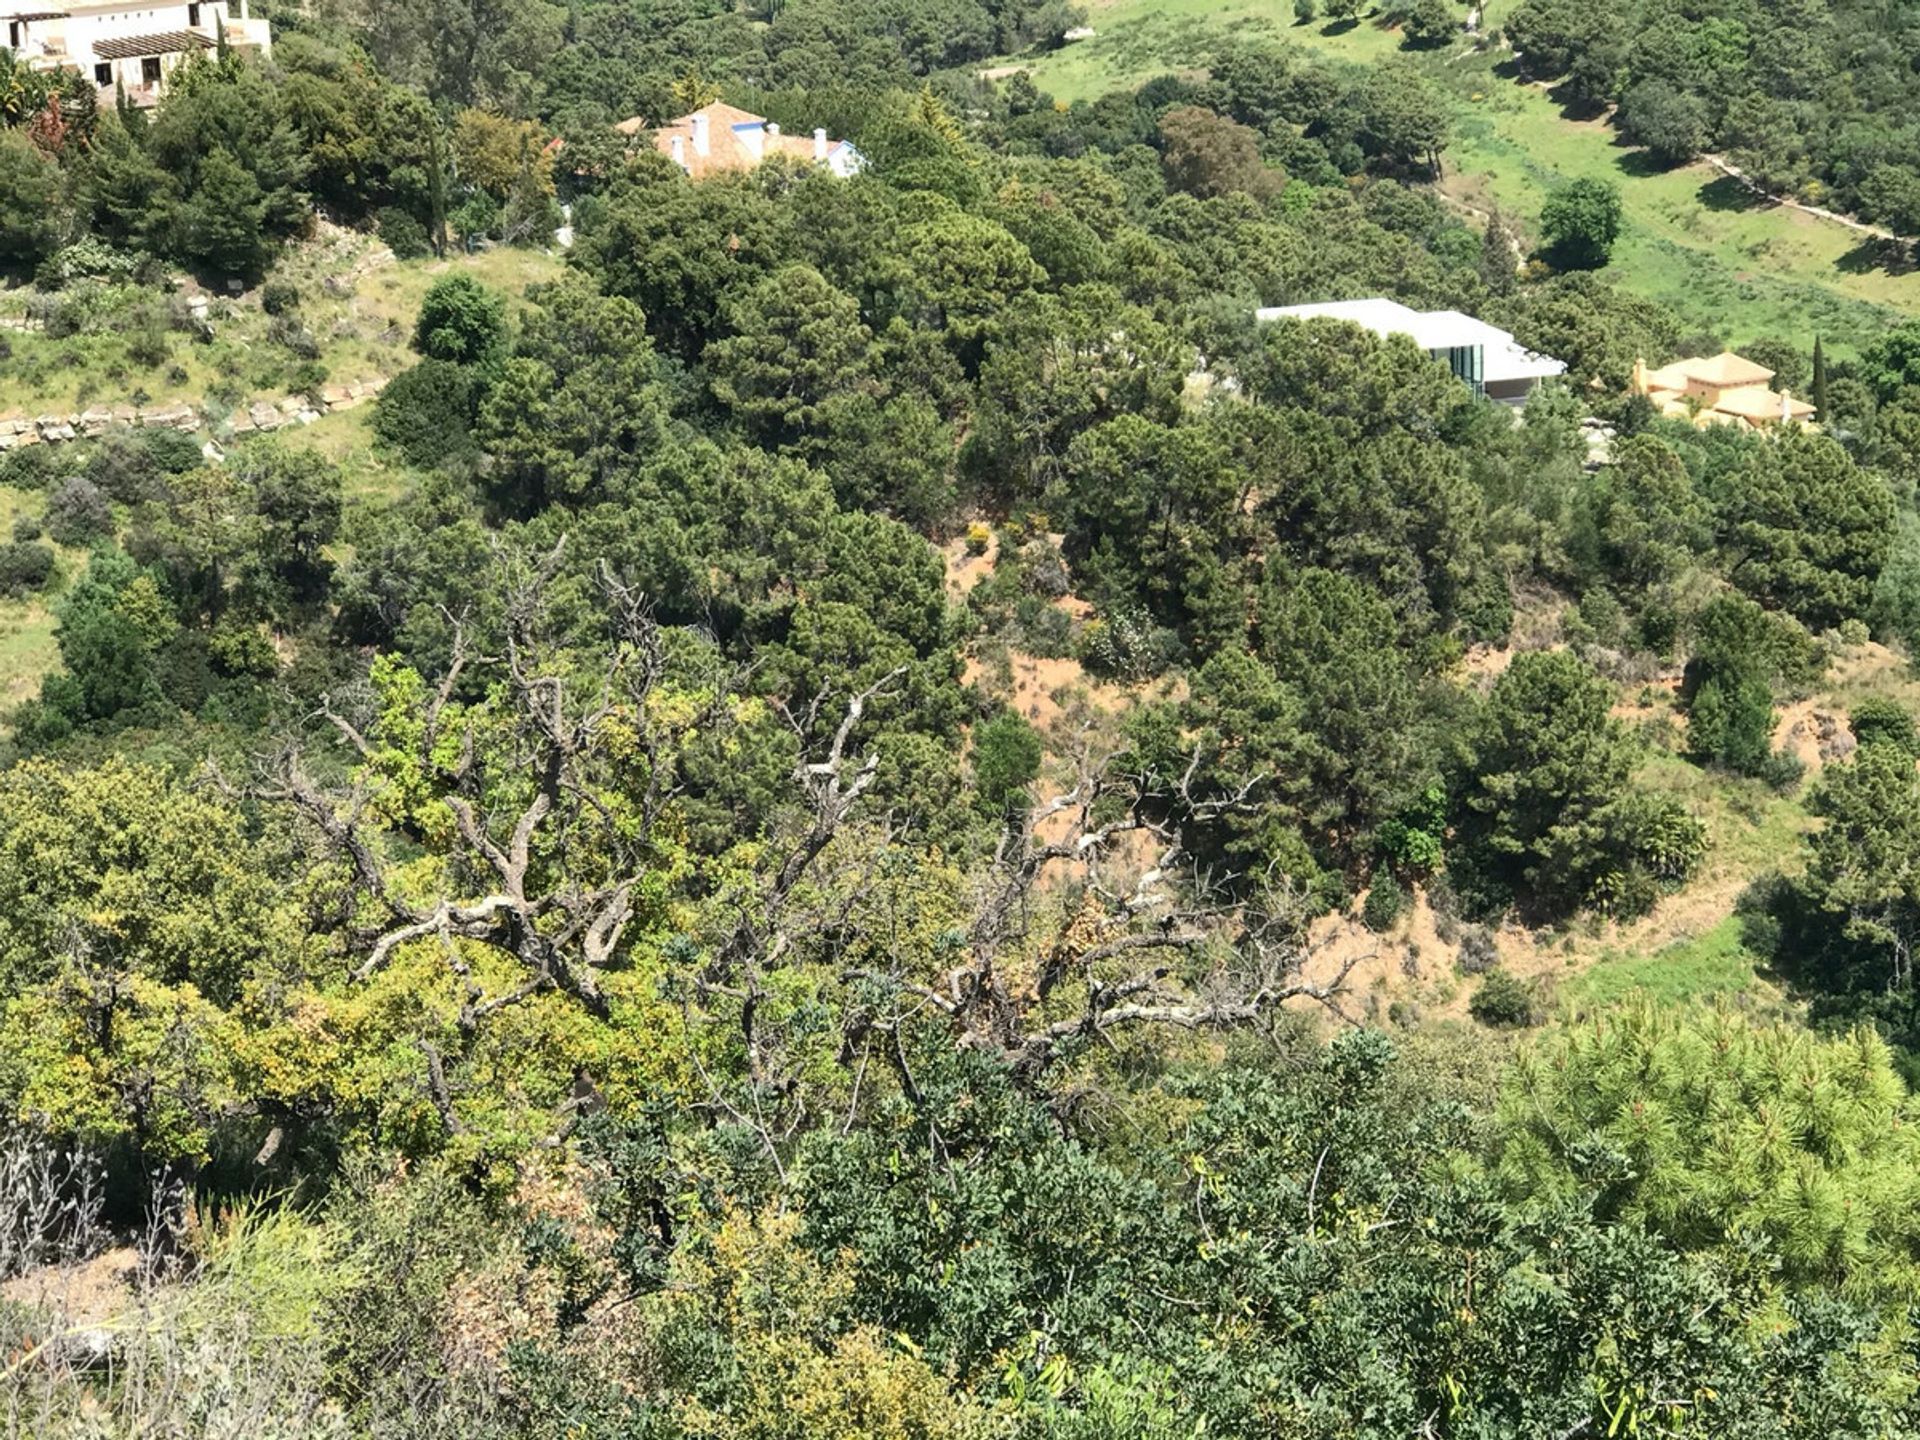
(1723, 389)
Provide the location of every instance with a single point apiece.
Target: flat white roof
(1504, 358)
(1381, 315)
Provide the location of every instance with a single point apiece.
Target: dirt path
(1732, 171)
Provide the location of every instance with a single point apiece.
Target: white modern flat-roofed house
(1486, 357)
(131, 44)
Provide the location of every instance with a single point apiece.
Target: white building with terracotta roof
(1723, 389)
(721, 137)
(128, 44)
(1484, 356)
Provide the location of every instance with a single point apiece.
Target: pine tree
(123, 190)
(1819, 382)
(693, 91)
(1720, 1129)
(930, 111)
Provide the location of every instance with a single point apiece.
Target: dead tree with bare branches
(1090, 918)
(546, 787)
(1122, 927)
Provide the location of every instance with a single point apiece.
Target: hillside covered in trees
(857, 810)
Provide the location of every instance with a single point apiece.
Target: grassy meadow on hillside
(360, 319)
(356, 314)
(1695, 240)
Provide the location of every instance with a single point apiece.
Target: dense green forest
(855, 810)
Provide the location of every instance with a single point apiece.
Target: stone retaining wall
(250, 419)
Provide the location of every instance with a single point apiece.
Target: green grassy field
(1713, 965)
(1694, 240)
(362, 326)
(27, 649)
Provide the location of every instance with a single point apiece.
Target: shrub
(24, 568)
(403, 234)
(1479, 951)
(427, 414)
(1047, 631)
(279, 297)
(475, 218)
(87, 259)
(78, 512)
(1878, 720)
(1414, 839)
(242, 650)
(1668, 842)
(1383, 904)
(979, 534)
(173, 451)
(1046, 570)
(30, 468)
(147, 345)
(307, 378)
(1782, 771)
(132, 466)
(1505, 1002)
(1730, 722)
(460, 320)
(291, 332)
(1006, 759)
(1127, 645)
(25, 528)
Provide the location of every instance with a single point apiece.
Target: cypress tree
(1819, 382)
(1497, 266)
(129, 113)
(436, 192)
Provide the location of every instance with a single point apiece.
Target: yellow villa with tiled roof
(1723, 389)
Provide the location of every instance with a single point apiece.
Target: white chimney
(680, 151)
(773, 129)
(700, 141)
(820, 145)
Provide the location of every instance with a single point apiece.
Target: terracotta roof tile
(726, 150)
(1726, 368)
